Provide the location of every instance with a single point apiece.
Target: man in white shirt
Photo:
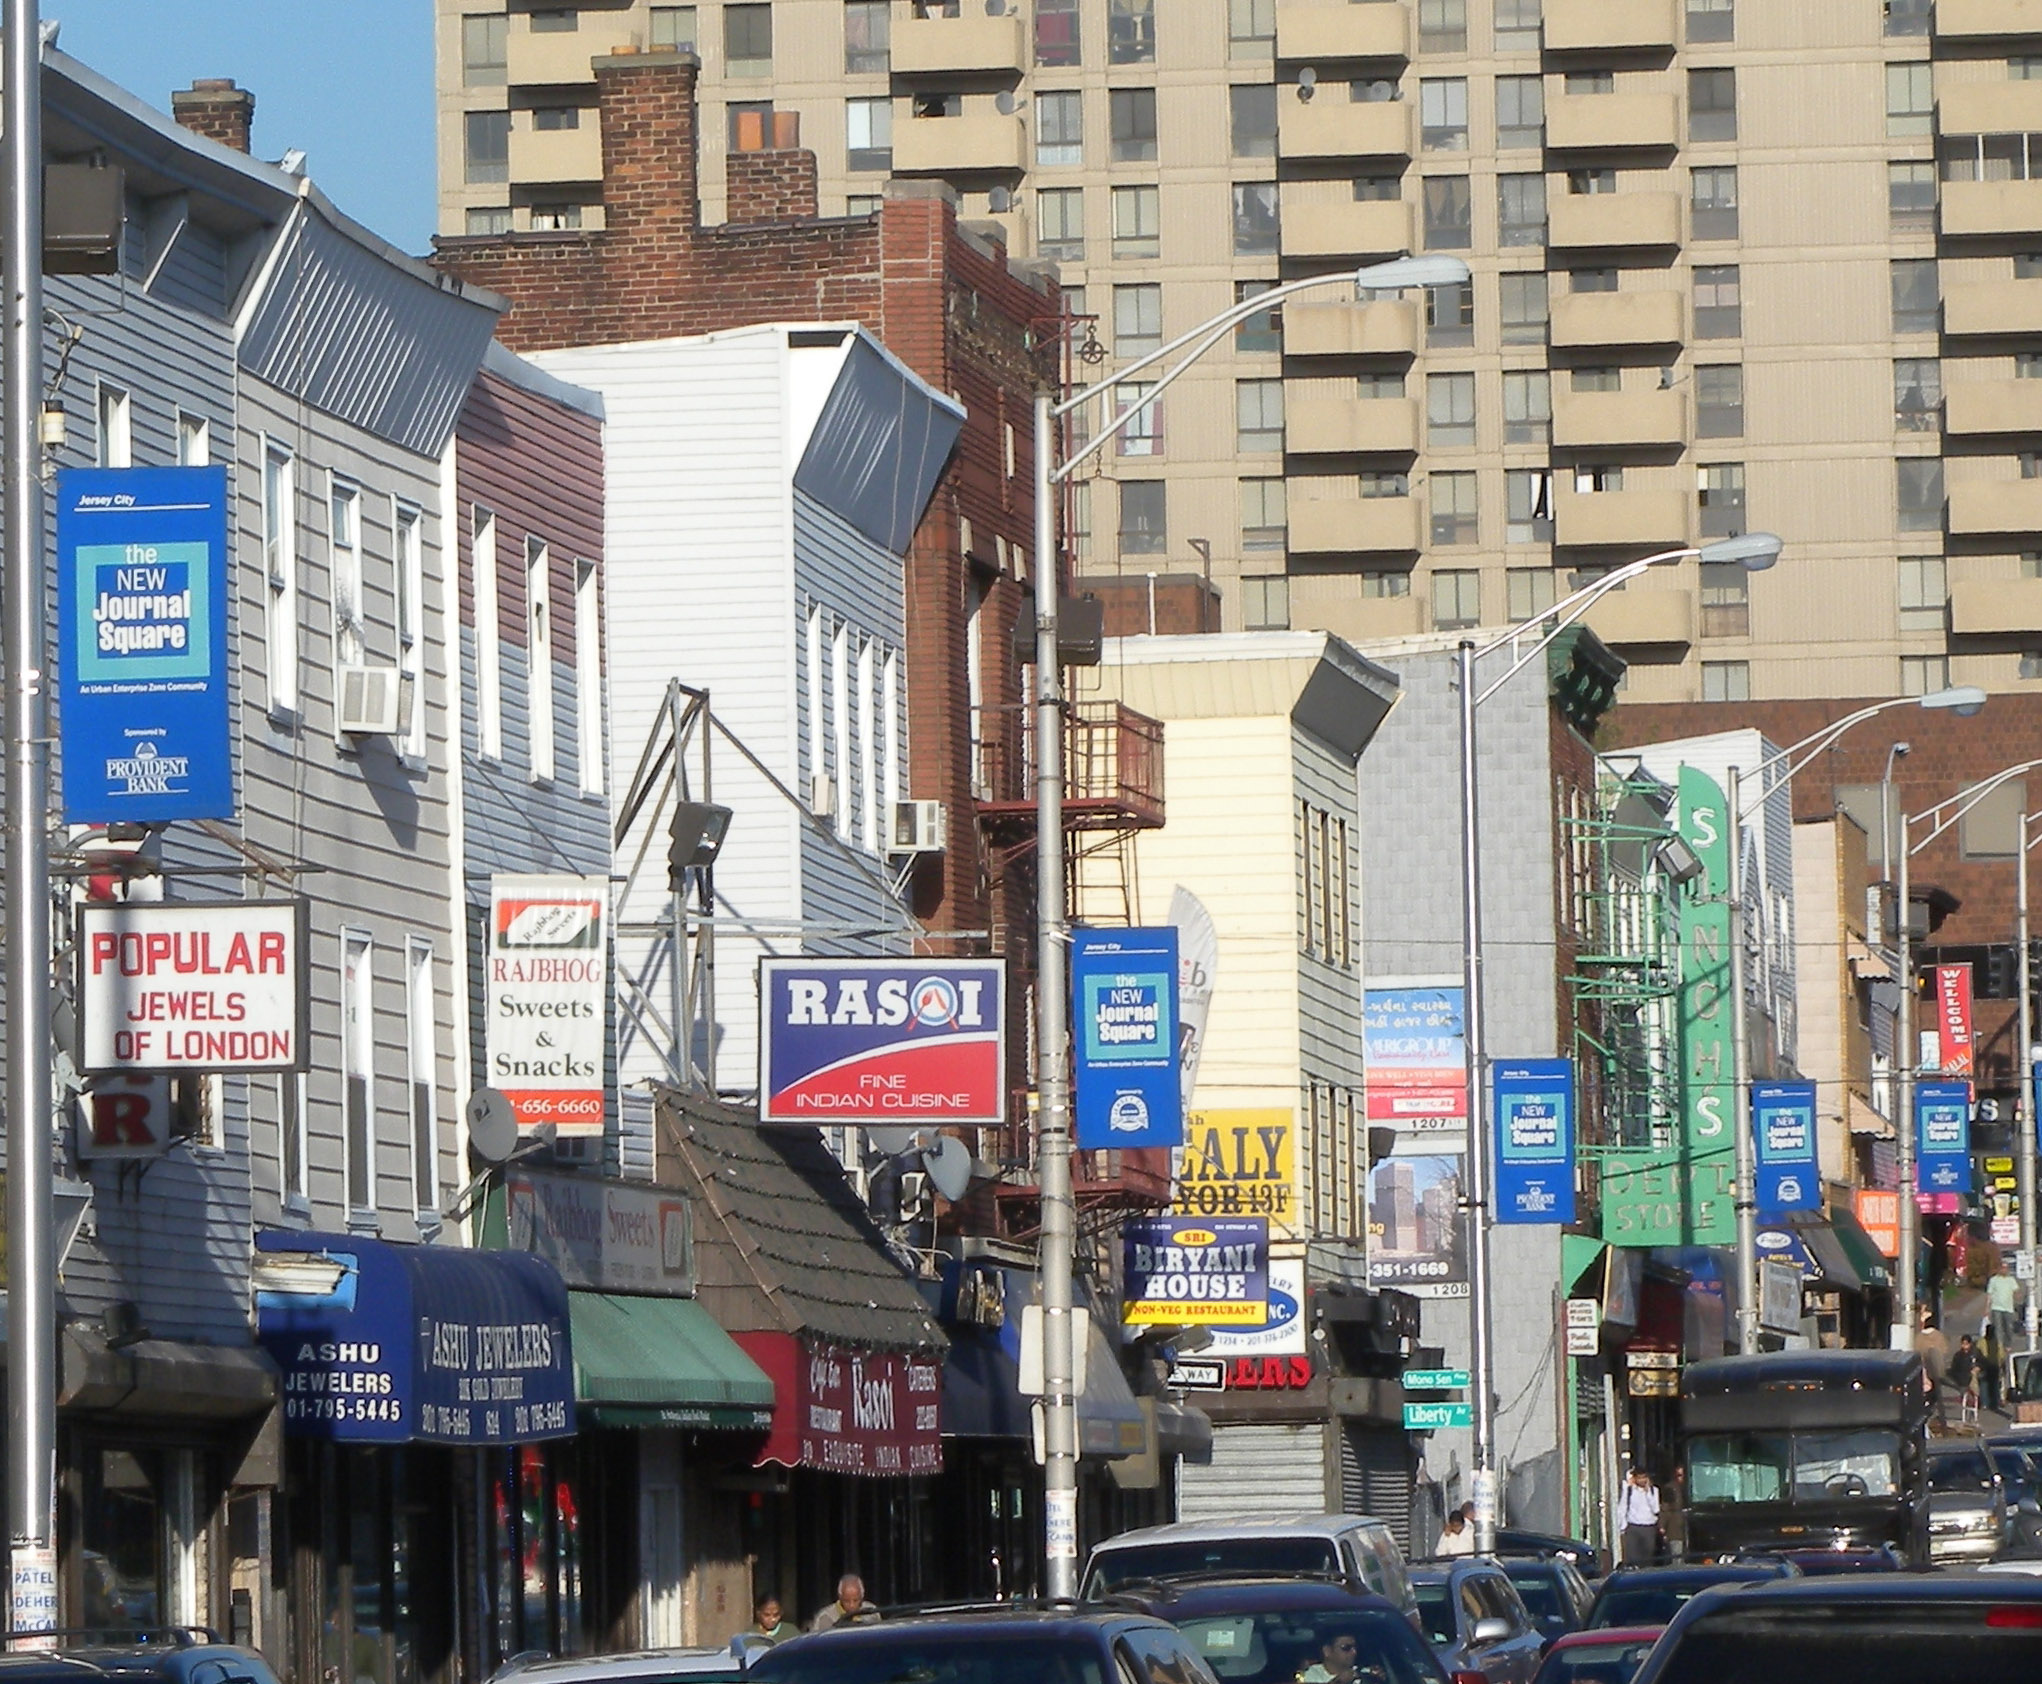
(1638, 1514)
(1456, 1537)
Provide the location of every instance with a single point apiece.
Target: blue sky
(347, 81)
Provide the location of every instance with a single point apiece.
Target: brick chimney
(769, 178)
(651, 175)
(214, 107)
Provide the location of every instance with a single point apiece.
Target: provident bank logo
(146, 770)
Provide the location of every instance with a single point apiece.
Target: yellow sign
(1239, 1163)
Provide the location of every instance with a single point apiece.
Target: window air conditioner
(822, 797)
(918, 827)
(373, 701)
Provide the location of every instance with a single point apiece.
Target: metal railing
(1113, 758)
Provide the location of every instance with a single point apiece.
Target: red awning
(875, 1413)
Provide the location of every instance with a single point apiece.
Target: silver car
(644, 1666)
(1967, 1504)
(1476, 1622)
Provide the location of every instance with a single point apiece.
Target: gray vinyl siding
(1329, 997)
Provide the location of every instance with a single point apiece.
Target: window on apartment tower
(1720, 496)
(1726, 681)
(1527, 406)
(1262, 333)
(555, 119)
(1384, 482)
(742, 115)
(1132, 113)
(1712, 104)
(1596, 377)
(1711, 20)
(1924, 592)
(555, 20)
(1131, 32)
(1443, 113)
(1443, 26)
(868, 36)
(1144, 526)
(1137, 222)
(1455, 508)
(1719, 401)
(1910, 99)
(555, 218)
(672, 27)
(1590, 82)
(1456, 598)
(486, 220)
(1263, 514)
(1265, 603)
(1917, 394)
(1528, 506)
(1137, 319)
(1384, 585)
(1911, 196)
(1521, 210)
(1918, 493)
(1713, 202)
(1252, 107)
(1060, 224)
(1059, 129)
(1520, 113)
(868, 134)
(1726, 599)
(748, 40)
(1450, 409)
(1907, 17)
(1522, 308)
(485, 51)
(1924, 675)
(1517, 26)
(1056, 34)
(1719, 302)
(1917, 299)
(1258, 416)
(1450, 314)
(485, 147)
(1256, 222)
(1251, 29)
(1449, 213)
(1530, 592)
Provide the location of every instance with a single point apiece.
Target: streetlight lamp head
(1963, 700)
(1753, 551)
(1411, 272)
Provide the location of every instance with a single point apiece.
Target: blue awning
(982, 1388)
(395, 1344)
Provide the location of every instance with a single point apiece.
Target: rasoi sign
(1124, 994)
(142, 645)
(881, 1041)
(548, 992)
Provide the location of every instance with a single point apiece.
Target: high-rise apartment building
(1735, 263)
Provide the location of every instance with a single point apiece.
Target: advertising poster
(1125, 1036)
(1180, 1271)
(1415, 1057)
(1417, 1241)
(1953, 1020)
(142, 645)
(546, 992)
(1198, 958)
(885, 1041)
(1942, 1152)
(1240, 1163)
(1783, 1127)
(1534, 1140)
(1283, 1334)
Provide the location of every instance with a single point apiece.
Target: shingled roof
(782, 1243)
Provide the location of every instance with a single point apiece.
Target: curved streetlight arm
(1566, 611)
(1769, 774)
(1214, 331)
(1959, 804)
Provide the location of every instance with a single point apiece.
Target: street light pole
(2024, 1072)
(1745, 1192)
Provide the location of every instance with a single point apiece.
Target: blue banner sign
(1535, 1140)
(1942, 1139)
(142, 610)
(1124, 1021)
(1783, 1125)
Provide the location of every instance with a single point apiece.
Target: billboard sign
(176, 987)
(1125, 1036)
(1415, 1056)
(1417, 1242)
(126, 1117)
(1240, 1163)
(1783, 1126)
(142, 605)
(885, 1041)
(1953, 1020)
(1534, 1140)
(605, 1236)
(547, 997)
(1942, 1149)
(1181, 1271)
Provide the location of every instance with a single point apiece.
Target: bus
(1806, 1450)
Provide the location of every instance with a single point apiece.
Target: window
(1517, 26)
(1081, 522)
(1263, 514)
(1449, 214)
(115, 445)
(358, 1069)
(1251, 29)
(1596, 377)
(1450, 314)
(1713, 202)
(1384, 482)
(868, 36)
(935, 105)
(1137, 222)
(1059, 129)
(1143, 435)
(1521, 210)
(1520, 113)
(1584, 184)
(555, 218)
(1712, 104)
(1143, 523)
(1325, 874)
(672, 27)
(1924, 675)
(1377, 384)
(1255, 219)
(2026, 68)
(1589, 479)
(1528, 506)
(1529, 592)
(194, 440)
(1456, 511)
(1253, 108)
(1719, 401)
(1265, 603)
(410, 595)
(1726, 681)
(1258, 416)
(2031, 663)
(1711, 20)
(1443, 26)
(1919, 493)
(1131, 32)
(1917, 299)
(1527, 406)
(863, 204)
(344, 555)
(1132, 113)
(1261, 333)
(1056, 34)
(1924, 593)
(1910, 99)
(1378, 189)
(1590, 82)
(555, 20)
(2028, 365)
(1522, 308)
(1384, 586)
(1721, 498)
(1726, 599)
(1907, 17)
(487, 220)
(1917, 394)
(1443, 114)
(488, 633)
(868, 134)
(485, 51)
(552, 119)
(539, 649)
(1911, 196)
(291, 1131)
(747, 40)
(280, 563)
(1060, 224)
(487, 146)
(419, 1068)
(1719, 303)
(1456, 598)
(1450, 409)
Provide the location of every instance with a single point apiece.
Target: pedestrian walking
(1964, 1371)
(849, 1609)
(2003, 1297)
(1638, 1511)
(1932, 1345)
(1456, 1536)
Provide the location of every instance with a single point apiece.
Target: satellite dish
(1381, 93)
(1005, 104)
(948, 1163)
(492, 1125)
(1308, 77)
(893, 1141)
(996, 8)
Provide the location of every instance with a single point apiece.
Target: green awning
(1859, 1246)
(662, 1362)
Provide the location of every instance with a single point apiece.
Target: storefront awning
(1805, 1240)
(982, 1393)
(394, 1344)
(1110, 1421)
(1183, 1431)
(663, 1362)
(1860, 1247)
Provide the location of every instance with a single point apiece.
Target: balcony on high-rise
(1980, 508)
(1988, 20)
(2011, 107)
(1333, 602)
(1333, 126)
(1585, 320)
(984, 143)
(1642, 615)
(1989, 309)
(1612, 123)
(1640, 520)
(1612, 221)
(535, 57)
(1322, 32)
(1975, 407)
(1992, 207)
(1995, 607)
(1319, 227)
(971, 44)
(1381, 327)
(1610, 26)
(1333, 426)
(1354, 525)
(555, 156)
(1618, 420)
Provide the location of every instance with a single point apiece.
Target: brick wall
(1158, 604)
(772, 186)
(214, 107)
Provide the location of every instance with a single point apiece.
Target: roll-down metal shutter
(1376, 1475)
(1256, 1471)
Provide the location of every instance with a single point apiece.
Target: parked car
(1261, 1630)
(643, 1666)
(1651, 1596)
(127, 1654)
(1577, 1552)
(1004, 1645)
(1609, 1656)
(1553, 1593)
(1475, 1620)
(2019, 1461)
(1942, 1628)
(1344, 1546)
(1967, 1503)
